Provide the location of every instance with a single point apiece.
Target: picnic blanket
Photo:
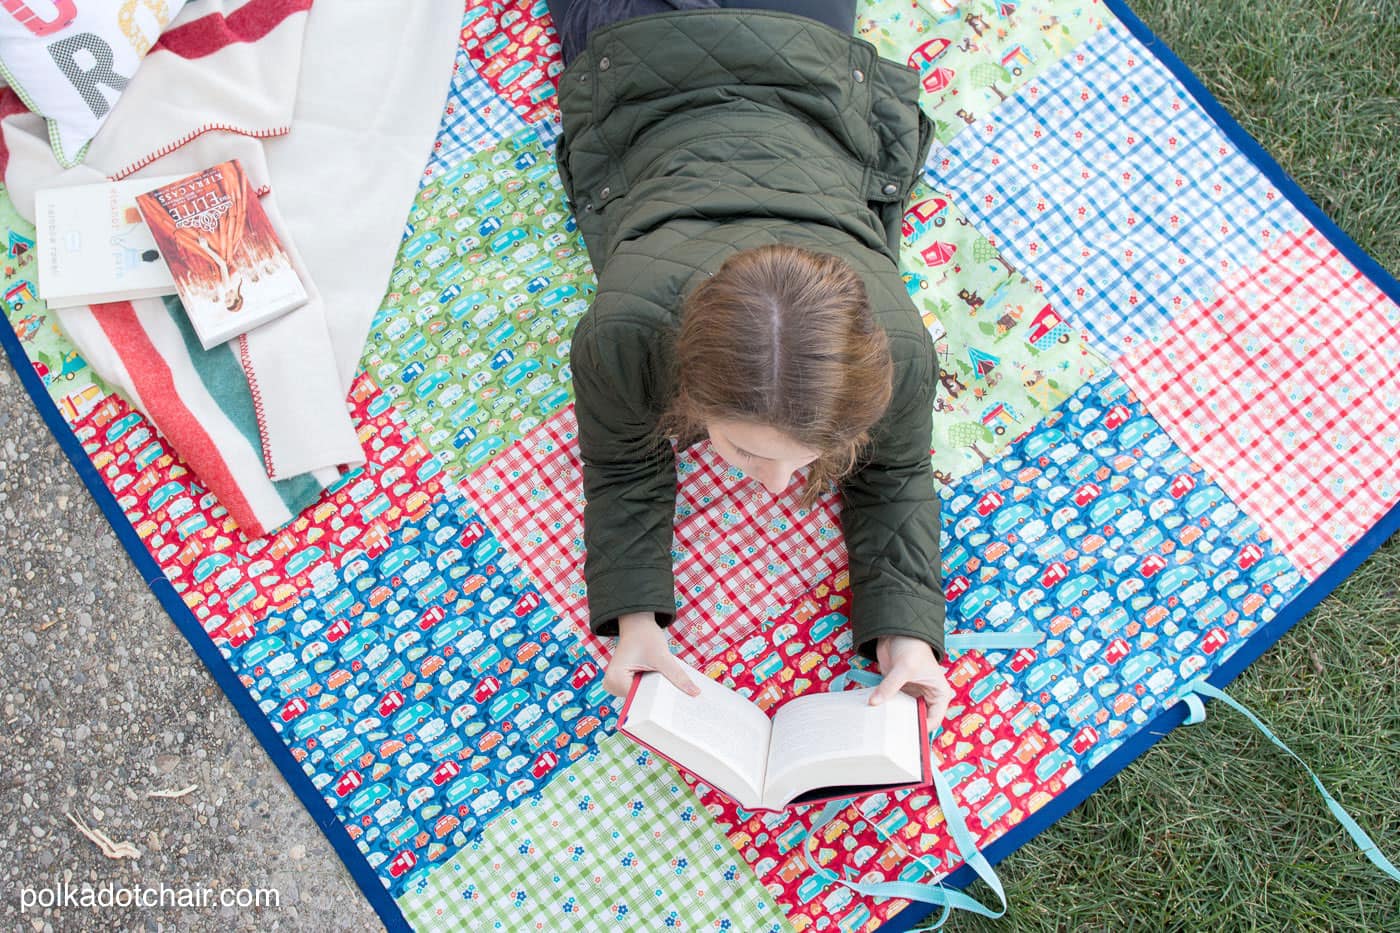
(1167, 427)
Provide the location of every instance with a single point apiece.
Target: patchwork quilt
(1168, 423)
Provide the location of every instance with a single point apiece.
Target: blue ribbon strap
(1368, 848)
(958, 642)
(925, 892)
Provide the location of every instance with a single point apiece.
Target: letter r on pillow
(86, 61)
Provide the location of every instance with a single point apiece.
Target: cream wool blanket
(332, 111)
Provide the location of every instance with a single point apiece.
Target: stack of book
(203, 237)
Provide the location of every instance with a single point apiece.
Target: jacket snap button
(583, 78)
(858, 75)
(604, 63)
(890, 188)
(588, 208)
(604, 193)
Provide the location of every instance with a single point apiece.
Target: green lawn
(1215, 829)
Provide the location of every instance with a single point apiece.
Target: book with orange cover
(230, 269)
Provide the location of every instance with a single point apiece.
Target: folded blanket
(226, 81)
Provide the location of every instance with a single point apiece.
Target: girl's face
(759, 451)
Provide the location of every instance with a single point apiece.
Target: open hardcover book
(816, 747)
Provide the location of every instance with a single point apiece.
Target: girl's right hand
(642, 646)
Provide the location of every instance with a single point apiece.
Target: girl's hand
(642, 646)
(910, 665)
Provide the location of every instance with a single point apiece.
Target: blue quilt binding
(1264, 638)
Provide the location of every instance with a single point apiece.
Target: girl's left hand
(909, 665)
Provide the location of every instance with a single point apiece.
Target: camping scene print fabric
(971, 55)
(1167, 404)
(1005, 355)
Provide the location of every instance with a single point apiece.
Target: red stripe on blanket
(10, 104)
(209, 34)
(156, 387)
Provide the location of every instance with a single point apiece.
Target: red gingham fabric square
(740, 553)
(1286, 388)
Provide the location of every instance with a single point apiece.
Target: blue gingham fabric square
(1114, 192)
(475, 118)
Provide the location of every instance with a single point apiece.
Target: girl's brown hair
(783, 337)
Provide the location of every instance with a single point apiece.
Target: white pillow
(69, 60)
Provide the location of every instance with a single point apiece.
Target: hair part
(784, 337)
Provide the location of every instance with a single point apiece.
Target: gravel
(102, 700)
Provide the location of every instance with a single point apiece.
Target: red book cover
(229, 267)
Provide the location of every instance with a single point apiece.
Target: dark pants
(576, 19)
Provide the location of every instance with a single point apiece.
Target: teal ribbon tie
(925, 892)
(1196, 712)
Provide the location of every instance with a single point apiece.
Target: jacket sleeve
(629, 477)
(890, 517)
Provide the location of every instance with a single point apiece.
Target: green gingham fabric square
(617, 842)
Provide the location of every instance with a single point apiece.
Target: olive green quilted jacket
(688, 136)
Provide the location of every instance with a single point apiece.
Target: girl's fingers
(938, 703)
(676, 673)
(887, 688)
(617, 685)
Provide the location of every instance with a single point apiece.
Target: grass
(1215, 829)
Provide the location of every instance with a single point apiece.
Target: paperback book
(230, 269)
(92, 245)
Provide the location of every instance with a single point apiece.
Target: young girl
(739, 176)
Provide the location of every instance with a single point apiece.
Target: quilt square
(1140, 571)
(1005, 356)
(971, 54)
(514, 46)
(1286, 388)
(473, 339)
(229, 581)
(617, 842)
(425, 687)
(474, 118)
(739, 552)
(1113, 191)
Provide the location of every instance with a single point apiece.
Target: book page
(719, 736)
(838, 740)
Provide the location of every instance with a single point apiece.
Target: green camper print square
(473, 339)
